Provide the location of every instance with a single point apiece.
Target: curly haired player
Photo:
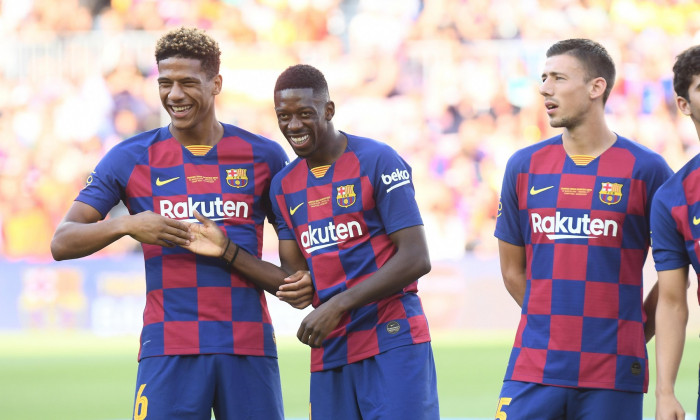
(207, 340)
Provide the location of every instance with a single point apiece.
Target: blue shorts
(397, 384)
(189, 387)
(526, 401)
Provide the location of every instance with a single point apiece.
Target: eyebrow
(183, 80)
(552, 73)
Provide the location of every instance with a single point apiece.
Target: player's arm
(81, 232)
(408, 264)
(207, 238)
(671, 321)
(650, 304)
(513, 269)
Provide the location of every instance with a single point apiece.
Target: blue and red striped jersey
(675, 220)
(585, 230)
(194, 304)
(342, 222)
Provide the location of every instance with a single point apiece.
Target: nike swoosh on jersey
(165, 181)
(696, 221)
(294, 210)
(533, 191)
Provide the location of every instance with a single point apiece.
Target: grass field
(79, 376)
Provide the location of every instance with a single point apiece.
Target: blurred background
(450, 84)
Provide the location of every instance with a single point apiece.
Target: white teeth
(181, 108)
(299, 140)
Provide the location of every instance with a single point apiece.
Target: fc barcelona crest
(610, 193)
(237, 178)
(346, 195)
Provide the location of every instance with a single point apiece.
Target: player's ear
(597, 87)
(330, 110)
(683, 105)
(218, 81)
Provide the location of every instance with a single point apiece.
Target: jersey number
(500, 415)
(141, 407)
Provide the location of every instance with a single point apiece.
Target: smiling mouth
(181, 108)
(299, 140)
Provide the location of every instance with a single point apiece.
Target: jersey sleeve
(667, 243)
(284, 231)
(276, 160)
(394, 193)
(659, 173)
(508, 227)
(106, 184)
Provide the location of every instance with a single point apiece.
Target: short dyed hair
(593, 56)
(302, 76)
(190, 43)
(687, 65)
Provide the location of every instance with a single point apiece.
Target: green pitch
(79, 376)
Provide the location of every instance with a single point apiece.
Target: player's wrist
(228, 256)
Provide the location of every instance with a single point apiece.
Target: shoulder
(524, 155)
(640, 151)
(366, 144)
(140, 143)
(688, 174)
(260, 143)
(235, 131)
(294, 166)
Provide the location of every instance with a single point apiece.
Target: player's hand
(206, 237)
(668, 408)
(152, 228)
(319, 323)
(297, 290)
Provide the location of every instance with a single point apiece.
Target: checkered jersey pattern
(675, 220)
(585, 233)
(341, 223)
(194, 304)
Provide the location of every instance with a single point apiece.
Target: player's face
(187, 94)
(691, 106)
(303, 119)
(566, 91)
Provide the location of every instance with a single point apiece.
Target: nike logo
(533, 191)
(165, 181)
(294, 210)
(696, 221)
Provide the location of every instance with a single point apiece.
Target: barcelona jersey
(341, 223)
(675, 220)
(585, 230)
(195, 304)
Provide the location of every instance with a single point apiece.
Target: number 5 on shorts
(500, 415)
(141, 406)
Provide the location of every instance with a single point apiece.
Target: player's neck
(206, 134)
(334, 147)
(588, 139)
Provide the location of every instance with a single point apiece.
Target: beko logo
(399, 177)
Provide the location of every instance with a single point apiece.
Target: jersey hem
(362, 356)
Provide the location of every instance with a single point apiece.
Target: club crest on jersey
(346, 195)
(610, 193)
(237, 178)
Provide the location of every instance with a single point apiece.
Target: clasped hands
(207, 238)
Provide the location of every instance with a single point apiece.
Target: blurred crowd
(451, 84)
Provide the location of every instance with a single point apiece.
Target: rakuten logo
(398, 176)
(215, 210)
(567, 227)
(318, 238)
